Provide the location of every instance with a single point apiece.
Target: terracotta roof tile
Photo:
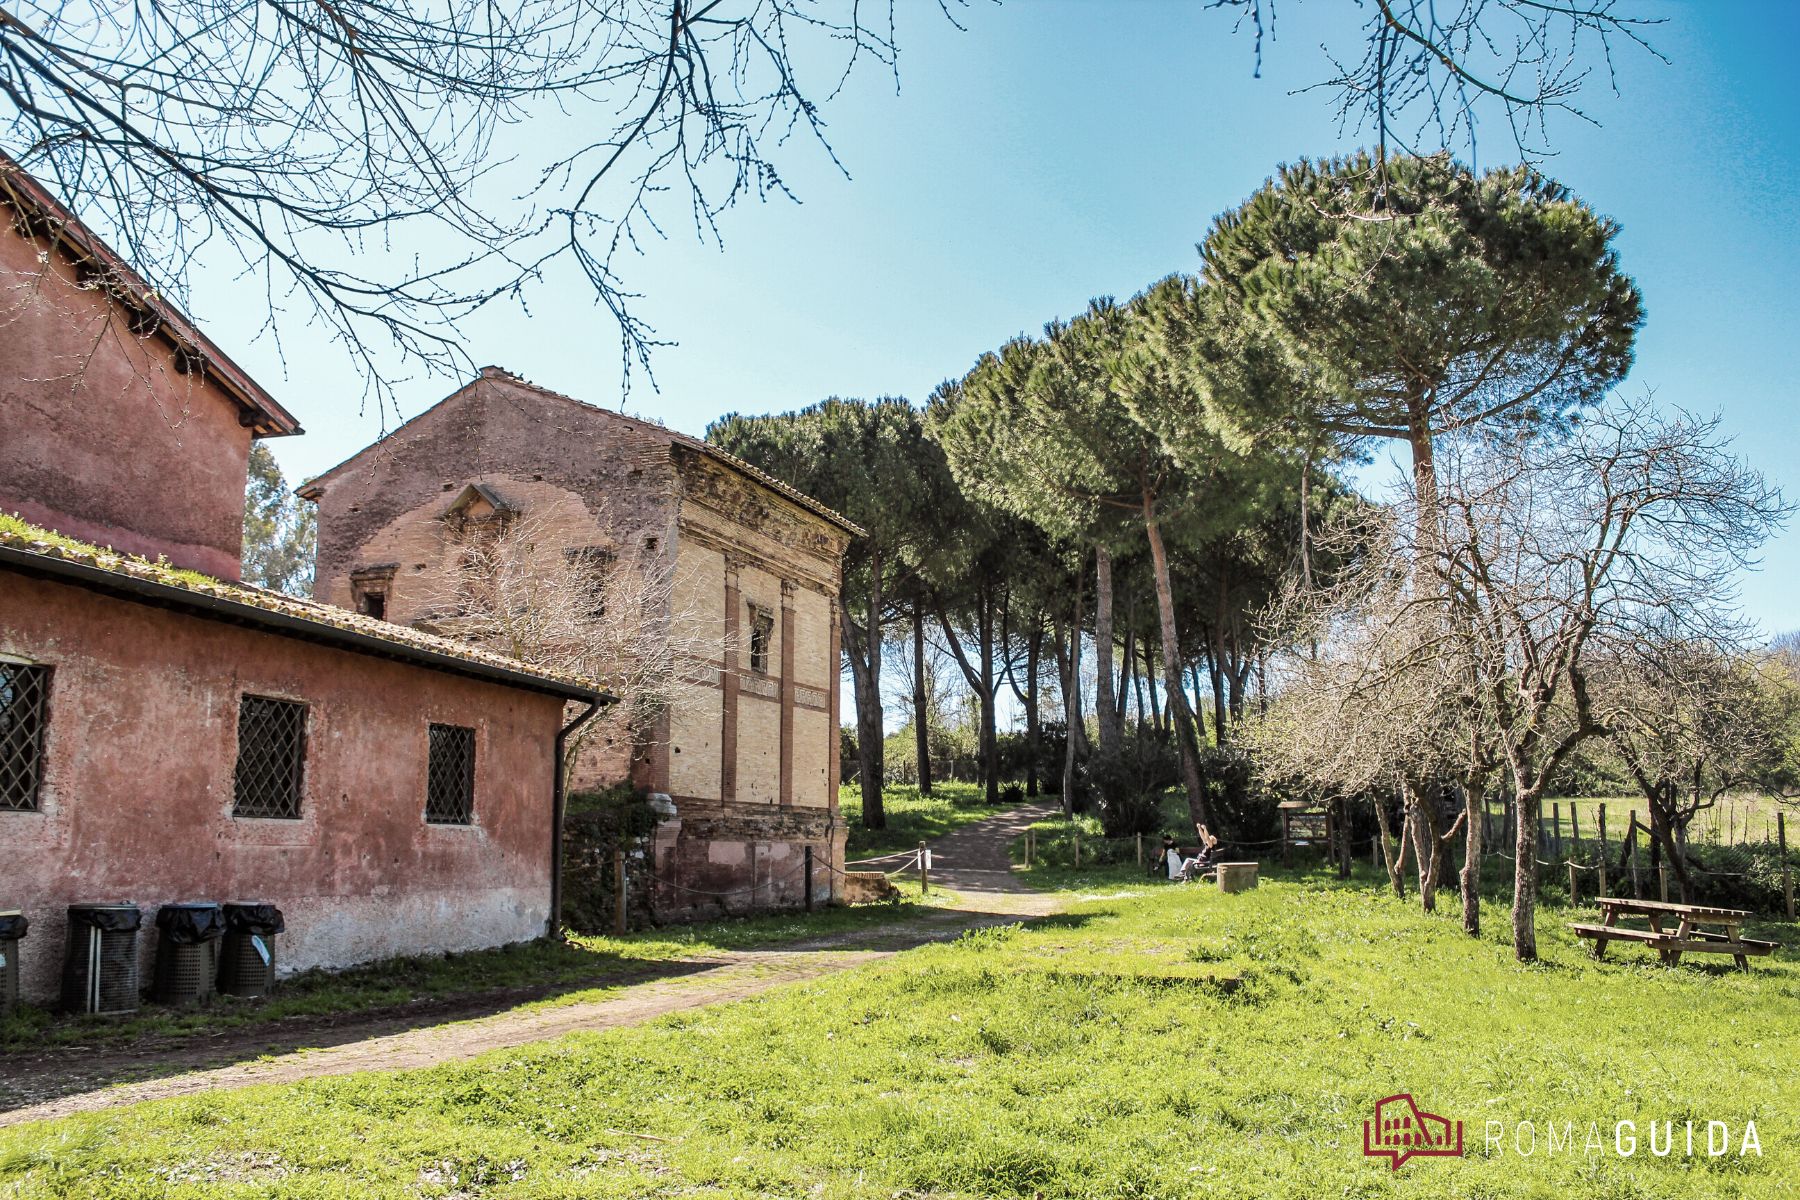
(19, 535)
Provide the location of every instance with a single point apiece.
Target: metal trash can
(247, 956)
(187, 952)
(100, 974)
(12, 931)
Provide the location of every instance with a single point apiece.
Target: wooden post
(1662, 881)
(1556, 827)
(1604, 852)
(1140, 849)
(619, 892)
(1375, 849)
(1078, 845)
(924, 873)
(1637, 883)
(1574, 893)
(809, 879)
(1574, 831)
(1787, 876)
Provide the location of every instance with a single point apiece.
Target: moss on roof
(19, 534)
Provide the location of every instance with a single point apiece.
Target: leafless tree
(363, 161)
(1426, 69)
(1559, 555)
(1549, 559)
(367, 165)
(1691, 720)
(532, 586)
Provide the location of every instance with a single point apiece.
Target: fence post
(1604, 852)
(1078, 845)
(809, 879)
(1574, 893)
(1662, 881)
(1140, 849)
(924, 873)
(1574, 831)
(1787, 875)
(1556, 827)
(1375, 849)
(1637, 885)
(619, 891)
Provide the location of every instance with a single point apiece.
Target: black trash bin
(100, 974)
(247, 958)
(187, 952)
(12, 930)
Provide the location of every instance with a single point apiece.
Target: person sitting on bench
(1208, 857)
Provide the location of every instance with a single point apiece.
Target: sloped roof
(44, 215)
(35, 551)
(309, 489)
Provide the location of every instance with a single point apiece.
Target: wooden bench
(1686, 938)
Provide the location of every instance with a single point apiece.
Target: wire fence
(1605, 853)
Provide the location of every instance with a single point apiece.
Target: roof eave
(236, 612)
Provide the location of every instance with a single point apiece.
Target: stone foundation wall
(728, 859)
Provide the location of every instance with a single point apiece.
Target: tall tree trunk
(1394, 860)
(1033, 644)
(1221, 721)
(990, 733)
(1128, 681)
(1156, 708)
(1106, 711)
(921, 702)
(980, 679)
(1179, 714)
(863, 648)
(1071, 664)
(1524, 905)
(1474, 817)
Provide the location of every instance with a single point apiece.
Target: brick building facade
(169, 734)
(749, 752)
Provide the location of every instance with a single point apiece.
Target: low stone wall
(744, 858)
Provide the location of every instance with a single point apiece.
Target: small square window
(762, 636)
(450, 776)
(24, 707)
(271, 758)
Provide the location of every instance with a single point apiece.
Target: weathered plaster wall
(386, 501)
(77, 388)
(137, 798)
(741, 826)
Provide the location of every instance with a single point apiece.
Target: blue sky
(1059, 150)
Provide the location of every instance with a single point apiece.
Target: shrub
(1012, 793)
(1246, 811)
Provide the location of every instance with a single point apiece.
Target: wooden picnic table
(1723, 932)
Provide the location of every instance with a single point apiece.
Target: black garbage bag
(110, 918)
(254, 918)
(13, 925)
(190, 924)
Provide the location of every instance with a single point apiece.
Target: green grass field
(1156, 1040)
(911, 818)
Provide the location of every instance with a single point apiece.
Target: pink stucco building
(167, 733)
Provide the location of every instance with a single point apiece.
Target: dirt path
(971, 862)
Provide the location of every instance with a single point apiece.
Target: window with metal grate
(450, 776)
(271, 758)
(24, 707)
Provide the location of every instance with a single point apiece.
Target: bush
(1012, 794)
(1246, 811)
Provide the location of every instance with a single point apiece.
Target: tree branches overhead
(389, 169)
(1424, 71)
